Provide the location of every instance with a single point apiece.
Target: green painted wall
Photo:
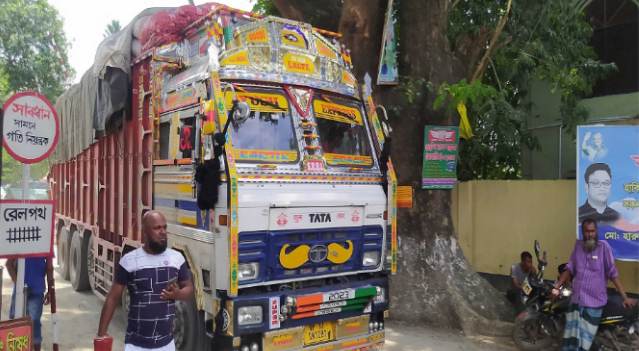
(544, 123)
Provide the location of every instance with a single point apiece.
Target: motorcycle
(542, 322)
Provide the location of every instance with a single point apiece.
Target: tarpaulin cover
(99, 101)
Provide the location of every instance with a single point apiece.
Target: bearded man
(590, 267)
(155, 276)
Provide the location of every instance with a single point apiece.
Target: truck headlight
(371, 258)
(248, 271)
(381, 295)
(249, 315)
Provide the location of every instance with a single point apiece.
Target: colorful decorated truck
(265, 115)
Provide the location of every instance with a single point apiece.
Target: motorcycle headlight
(249, 315)
(248, 271)
(566, 292)
(370, 259)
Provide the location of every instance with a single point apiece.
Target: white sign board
(26, 228)
(30, 127)
(316, 217)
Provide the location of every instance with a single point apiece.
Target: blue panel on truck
(265, 247)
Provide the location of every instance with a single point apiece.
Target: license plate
(527, 289)
(338, 295)
(318, 333)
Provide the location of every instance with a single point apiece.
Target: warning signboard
(26, 228)
(30, 127)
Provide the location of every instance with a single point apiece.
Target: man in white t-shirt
(155, 277)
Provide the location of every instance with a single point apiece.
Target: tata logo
(318, 253)
(320, 217)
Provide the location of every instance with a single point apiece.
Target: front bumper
(349, 337)
(314, 305)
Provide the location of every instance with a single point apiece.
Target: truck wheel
(63, 253)
(78, 263)
(91, 263)
(188, 328)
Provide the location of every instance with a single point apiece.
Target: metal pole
(1, 284)
(20, 296)
(1, 133)
(561, 132)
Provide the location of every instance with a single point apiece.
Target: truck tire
(188, 328)
(78, 262)
(63, 253)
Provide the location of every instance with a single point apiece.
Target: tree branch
(492, 65)
(288, 10)
(481, 67)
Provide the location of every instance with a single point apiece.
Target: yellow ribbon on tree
(465, 131)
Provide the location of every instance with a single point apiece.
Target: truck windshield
(267, 134)
(342, 132)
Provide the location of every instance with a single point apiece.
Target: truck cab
(265, 116)
(301, 234)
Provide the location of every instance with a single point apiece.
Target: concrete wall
(496, 220)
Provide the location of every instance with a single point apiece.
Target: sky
(85, 22)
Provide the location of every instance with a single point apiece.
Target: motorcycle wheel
(607, 340)
(529, 334)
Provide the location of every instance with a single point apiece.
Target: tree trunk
(361, 25)
(435, 284)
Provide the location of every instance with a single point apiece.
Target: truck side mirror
(384, 121)
(242, 111)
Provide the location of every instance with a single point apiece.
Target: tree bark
(435, 284)
(361, 26)
(289, 9)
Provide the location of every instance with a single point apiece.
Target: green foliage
(543, 40)
(414, 89)
(112, 28)
(33, 56)
(475, 93)
(33, 48)
(495, 150)
(499, 130)
(265, 8)
(12, 170)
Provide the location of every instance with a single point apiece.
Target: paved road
(78, 316)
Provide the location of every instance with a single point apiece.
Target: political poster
(387, 73)
(439, 167)
(608, 185)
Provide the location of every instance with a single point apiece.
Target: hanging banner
(387, 73)
(26, 228)
(439, 168)
(608, 185)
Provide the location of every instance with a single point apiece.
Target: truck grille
(291, 254)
